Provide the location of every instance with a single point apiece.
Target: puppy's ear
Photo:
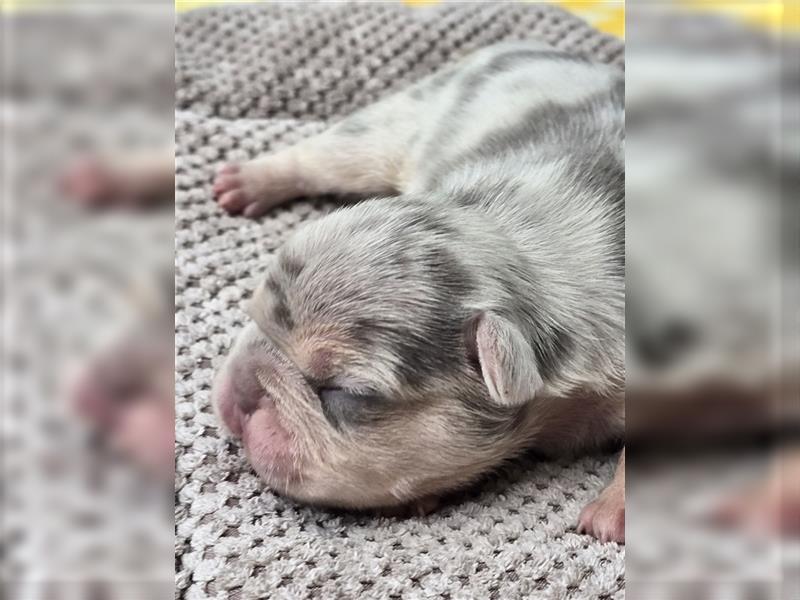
(255, 307)
(505, 358)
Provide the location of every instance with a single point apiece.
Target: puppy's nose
(248, 402)
(237, 395)
(245, 387)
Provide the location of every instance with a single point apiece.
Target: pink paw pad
(229, 189)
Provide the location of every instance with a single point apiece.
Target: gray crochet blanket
(250, 79)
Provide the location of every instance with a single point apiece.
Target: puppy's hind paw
(604, 518)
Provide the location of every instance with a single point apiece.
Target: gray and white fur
(473, 308)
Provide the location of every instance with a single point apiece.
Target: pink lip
(268, 444)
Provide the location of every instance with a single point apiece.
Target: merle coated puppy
(472, 308)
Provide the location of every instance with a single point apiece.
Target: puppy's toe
(227, 183)
(233, 200)
(257, 209)
(252, 188)
(234, 190)
(229, 169)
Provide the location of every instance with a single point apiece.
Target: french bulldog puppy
(401, 347)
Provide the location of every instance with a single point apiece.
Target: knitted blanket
(250, 79)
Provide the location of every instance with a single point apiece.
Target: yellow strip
(9, 5)
(183, 5)
(607, 16)
(768, 14)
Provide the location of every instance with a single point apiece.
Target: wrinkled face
(355, 384)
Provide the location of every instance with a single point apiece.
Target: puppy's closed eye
(343, 408)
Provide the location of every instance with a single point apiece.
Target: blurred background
(713, 476)
(80, 84)
(712, 255)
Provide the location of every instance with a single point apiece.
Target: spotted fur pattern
(474, 307)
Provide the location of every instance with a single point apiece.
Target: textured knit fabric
(251, 79)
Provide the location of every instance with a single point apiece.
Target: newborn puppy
(404, 346)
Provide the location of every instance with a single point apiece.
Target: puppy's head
(367, 376)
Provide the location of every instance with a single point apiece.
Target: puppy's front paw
(250, 188)
(128, 181)
(604, 518)
(88, 182)
(230, 189)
